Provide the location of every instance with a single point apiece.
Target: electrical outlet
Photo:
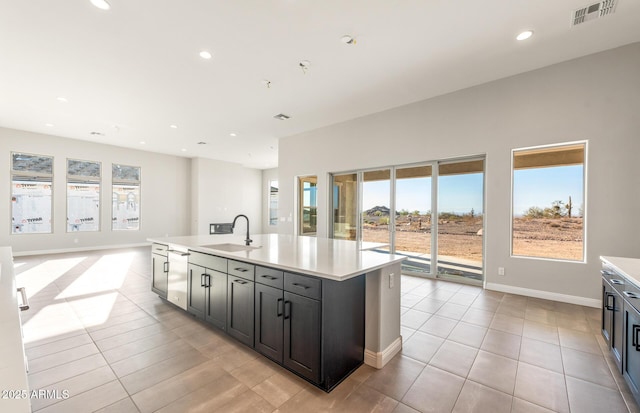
(501, 271)
(392, 277)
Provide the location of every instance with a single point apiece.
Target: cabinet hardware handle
(203, 280)
(608, 306)
(241, 282)
(631, 294)
(634, 337)
(25, 301)
(617, 282)
(166, 266)
(268, 277)
(182, 254)
(300, 286)
(279, 307)
(241, 269)
(208, 281)
(606, 272)
(159, 249)
(287, 314)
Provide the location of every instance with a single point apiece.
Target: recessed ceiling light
(282, 116)
(233, 134)
(101, 4)
(173, 126)
(183, 150)
(49, 125)
(524, 35)
(62, 100)
(205, 55)
(142, 142)
(347, 39)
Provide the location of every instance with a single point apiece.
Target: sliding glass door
(460, 219)
(413, 218)
(398, 206)
(376, 207)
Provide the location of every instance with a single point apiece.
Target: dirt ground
(539, 237)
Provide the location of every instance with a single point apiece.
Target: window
(31, 194)
(308, 203)
(273, 203)
(548, 202)
(83, 195)
(126, 197)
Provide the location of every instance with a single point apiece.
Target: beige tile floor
(96, 331)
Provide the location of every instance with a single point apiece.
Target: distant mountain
(384, 211)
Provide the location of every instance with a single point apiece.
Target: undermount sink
(230, 247)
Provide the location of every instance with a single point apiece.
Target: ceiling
(130, 73)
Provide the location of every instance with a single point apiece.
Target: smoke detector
(593, 11)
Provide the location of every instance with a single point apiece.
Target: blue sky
(541, 186)
(459, 193)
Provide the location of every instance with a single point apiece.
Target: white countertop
(323, 257)
(12, 369)
(628, 267)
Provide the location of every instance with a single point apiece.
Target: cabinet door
(196, 290)
(269, 308)
(302, 335)
(631, 371)
(607, 309)
(217, 299)
(160, 268)
(240, 309)
(617, 328)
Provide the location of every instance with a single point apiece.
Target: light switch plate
(392, 277)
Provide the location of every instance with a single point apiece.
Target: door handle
(241, 269)
(631, 294)
(634, 337)
(617, 282)
(608, 306)
(166, 266)
(606, 272)
(300, 286)
(203, 280)
(208, 281)
(268, 277)
(279, 307)
(240, 281)
(25, 300)
(287, 314)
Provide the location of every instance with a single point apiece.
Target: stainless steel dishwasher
(177, 277)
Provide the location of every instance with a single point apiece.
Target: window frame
(130, 182)
(34, 177)
(84, 179)
(585, 143)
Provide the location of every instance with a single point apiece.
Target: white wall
(595, 98)
(268, 175)
(164, 204)
(222, 190)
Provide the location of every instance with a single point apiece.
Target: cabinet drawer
(631, 293)
(303, 285)
(208, 261)
(269, 276)
(159, 249)
(242, 269)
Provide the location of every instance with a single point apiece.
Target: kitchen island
(351, 293)
(15, 394)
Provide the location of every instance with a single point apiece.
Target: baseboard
(80, 249)
(547, 295)
(380, 359)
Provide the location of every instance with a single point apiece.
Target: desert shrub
(534, 212)
(383, 221)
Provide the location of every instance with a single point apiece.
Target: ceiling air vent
(593, 11)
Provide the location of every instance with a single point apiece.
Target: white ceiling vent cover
(593, 11)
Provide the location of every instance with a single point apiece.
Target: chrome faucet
(247, 241)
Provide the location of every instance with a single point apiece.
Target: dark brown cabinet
(302, 332)
(612, 316)
(207, 288)
(159, 269)
(269, 312)
(240, 309)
